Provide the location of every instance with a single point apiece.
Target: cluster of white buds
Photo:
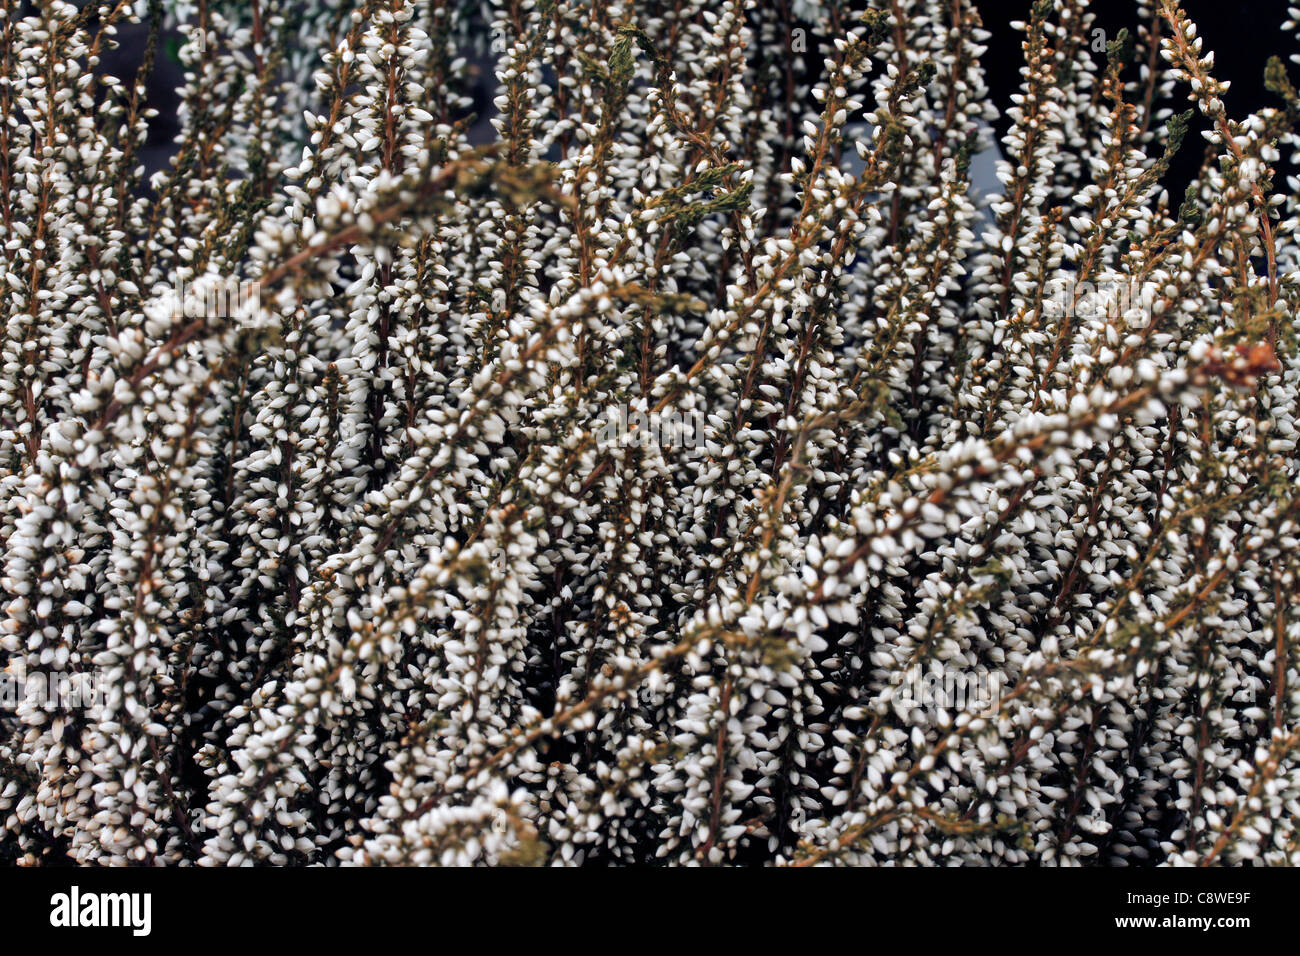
(599, 484)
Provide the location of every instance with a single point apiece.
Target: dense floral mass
(701, 470)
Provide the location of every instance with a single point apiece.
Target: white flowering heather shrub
(602, 493)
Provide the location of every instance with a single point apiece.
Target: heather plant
(359, 577)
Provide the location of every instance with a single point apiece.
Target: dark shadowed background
(1242, 34)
